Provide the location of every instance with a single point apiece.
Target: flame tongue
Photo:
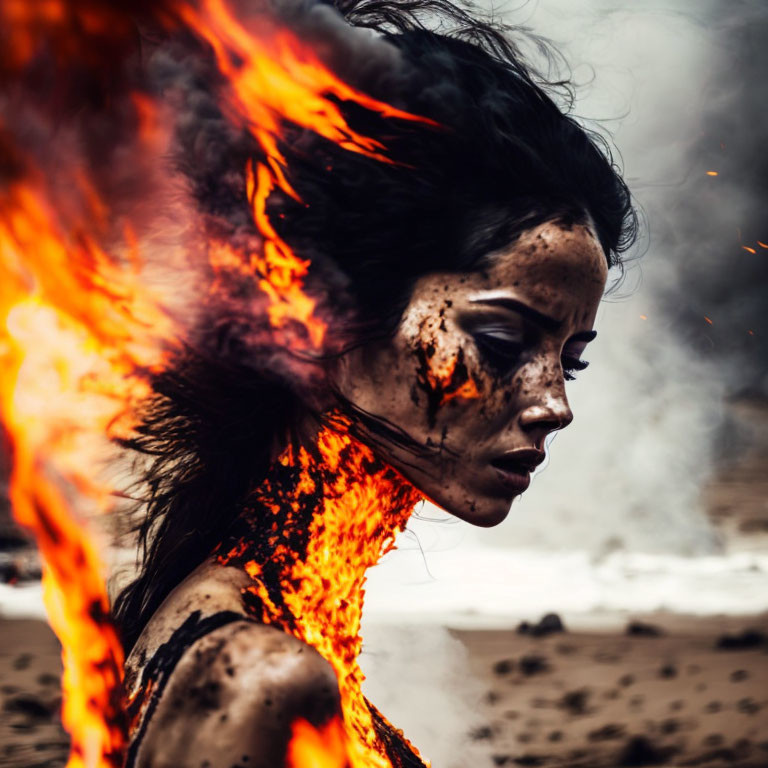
(315, 527)
(75, 334)
(80, 329)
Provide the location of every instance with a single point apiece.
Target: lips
(514, 468)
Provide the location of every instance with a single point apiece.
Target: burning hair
(496, 156)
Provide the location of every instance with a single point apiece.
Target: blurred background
(645, 535)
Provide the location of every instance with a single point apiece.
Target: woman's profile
(457, 288)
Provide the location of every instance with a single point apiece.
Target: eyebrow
(546, 322)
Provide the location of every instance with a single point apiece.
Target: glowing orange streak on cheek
(451, 380)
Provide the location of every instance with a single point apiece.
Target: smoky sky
(685, 97)
(679, 88)
(710, 222)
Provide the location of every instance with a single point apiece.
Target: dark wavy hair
(504, 159)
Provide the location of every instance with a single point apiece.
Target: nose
(549, 413)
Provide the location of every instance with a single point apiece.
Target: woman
(458, 286)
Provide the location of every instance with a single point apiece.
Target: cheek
(445, 371)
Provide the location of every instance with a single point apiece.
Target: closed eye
(499, 347)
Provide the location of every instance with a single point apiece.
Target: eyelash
(503, 355)
(571, 365)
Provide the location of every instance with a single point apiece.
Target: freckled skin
(557, 270)
(235, 691)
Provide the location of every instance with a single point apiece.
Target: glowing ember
(334, 512)
(312, 747)
(708, 320)
(748, 249)
(643, 317)
(712, 173)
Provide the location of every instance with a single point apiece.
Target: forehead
(559, 269)
(550, 256)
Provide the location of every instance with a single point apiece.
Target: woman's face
(476, 372)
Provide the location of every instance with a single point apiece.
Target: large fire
(81, 327)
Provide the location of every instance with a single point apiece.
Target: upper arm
(233, 697)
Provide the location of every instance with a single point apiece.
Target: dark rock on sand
(503, 667)
(641, 751)
(23, 661)
(748, 706)
(30, 706)
(533, 664)
(749, 638)
(575, 702)
(642, 629)
(607, 732)
(530, 760)
(550, 624)
(481, 733)
(668, 671)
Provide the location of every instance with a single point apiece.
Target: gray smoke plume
(679, 87)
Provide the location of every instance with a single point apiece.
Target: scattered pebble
(607, 732)
(668, 671)
(749, 638)
(641, 751)
(641, 629)
(503, 667)
(23, 661)
(748, 706)
(481, 733)
(533, 664)
(29, 706)
(575, 702)
(548, 625)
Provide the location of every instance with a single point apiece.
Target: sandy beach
(694, 694)
(679, 692)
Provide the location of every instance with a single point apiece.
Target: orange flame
(323, 747)
(80, 329)
(360, 504)
(75, 331)
(274, 78)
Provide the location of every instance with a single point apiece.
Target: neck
(327, 511)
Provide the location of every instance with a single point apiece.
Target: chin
(484, 513)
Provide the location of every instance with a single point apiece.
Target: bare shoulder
(232, 698)
(208, 590)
